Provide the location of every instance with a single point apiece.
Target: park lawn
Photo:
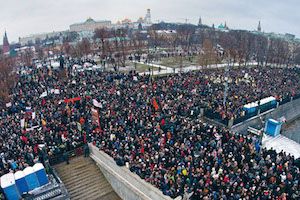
(174, 62)
(143, 67)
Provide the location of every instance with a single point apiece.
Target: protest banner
(72, 100)
(8, 105)
(22, 123)
(97, 104)
(95, 117)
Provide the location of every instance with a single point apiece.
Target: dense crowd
(153, 128)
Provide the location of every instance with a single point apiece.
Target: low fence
(211, 114)
(290, 111)
(61, 157)
(126, 184)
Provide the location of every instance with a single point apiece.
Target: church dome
(89, 20)
(221, 26)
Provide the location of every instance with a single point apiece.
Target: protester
(153, 127)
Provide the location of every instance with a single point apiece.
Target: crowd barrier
(290, 111)
(211, 114)
(61, 157)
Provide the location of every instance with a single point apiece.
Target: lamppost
(226, 83)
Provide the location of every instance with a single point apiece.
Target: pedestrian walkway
(169, 70)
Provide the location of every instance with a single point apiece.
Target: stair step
(72, 167)
(80, 177)
(91, 182)
(84, 180)
(89, 190)
(78, 173)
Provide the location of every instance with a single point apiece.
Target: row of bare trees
(8, 79)
(115, 45)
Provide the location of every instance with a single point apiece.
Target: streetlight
(226, 83)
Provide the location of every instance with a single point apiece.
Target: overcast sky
(24, 17)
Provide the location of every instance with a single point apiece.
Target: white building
(40, 36)
(90, 25)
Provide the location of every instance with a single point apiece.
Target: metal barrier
(61, 157)
(211, 114)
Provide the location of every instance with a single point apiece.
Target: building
(259, 27)
(32, 39)
(223, 28)
(90, 25)
(200, 22)
(289, 36)
(5, 47)
(147, 18)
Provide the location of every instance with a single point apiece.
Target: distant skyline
(23, 18)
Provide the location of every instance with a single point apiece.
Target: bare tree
(208, 54)
(102, 34)
(26, 57)
(66, 48)
(7, 79)
(82, 48)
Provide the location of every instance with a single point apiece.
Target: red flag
(155, 104)
(43, 102)
(72, 100)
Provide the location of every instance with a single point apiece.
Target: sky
(24, 17)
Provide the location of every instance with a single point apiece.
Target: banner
(55, 91)
(32, 128)
(33, 115)
(97, 104)
(79, 126)
(44, 94)
(72, 100)
(8, 105)
(28, 109)
(22, 123)
(95, 117)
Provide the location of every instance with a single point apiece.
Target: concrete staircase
(84, 180)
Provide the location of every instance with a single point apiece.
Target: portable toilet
(9, 187)
(40, 173)
(273, 127)
(21, 182)
(31, 178)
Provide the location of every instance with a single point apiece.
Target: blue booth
(31, 178)
(21, 182)
(40, 173)
(263, 103)
(273, 127)
(9, 187)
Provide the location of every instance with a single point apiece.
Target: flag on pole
(155, 104)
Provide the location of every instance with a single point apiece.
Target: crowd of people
(152, 126)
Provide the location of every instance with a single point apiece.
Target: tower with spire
(225, 25)
(5, 46)
(200, 21)
(148, 17)
(259, 27)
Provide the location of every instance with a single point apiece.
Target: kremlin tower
(5, 46)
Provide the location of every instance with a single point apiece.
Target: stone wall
(126, 184)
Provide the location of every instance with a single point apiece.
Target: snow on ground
(170, 70)
(280, 143)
